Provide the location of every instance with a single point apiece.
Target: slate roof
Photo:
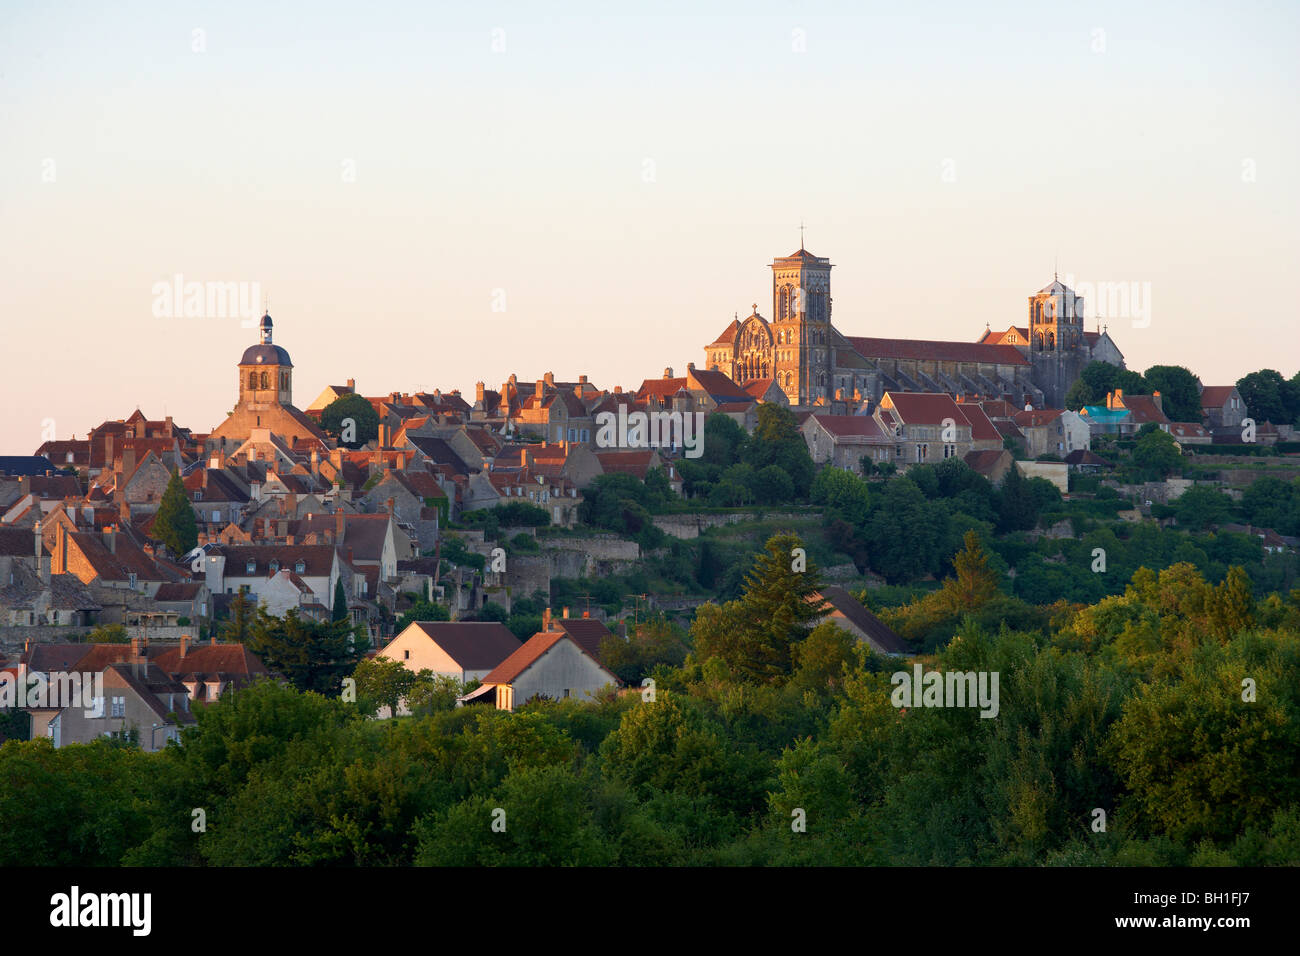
(588, 633)
(474, 645)
(880, 633)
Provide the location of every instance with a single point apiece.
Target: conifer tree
(174, 524)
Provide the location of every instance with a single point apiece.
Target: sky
(430, 195)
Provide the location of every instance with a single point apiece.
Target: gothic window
(1051, 340)
(1038, 311)
(783, 309)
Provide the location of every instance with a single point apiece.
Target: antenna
(800, 233)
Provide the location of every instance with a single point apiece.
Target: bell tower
(801, 326)
(265, 371)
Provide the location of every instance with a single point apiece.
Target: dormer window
(300, 567)
(198, 495)
(251, 567)
(275, 566)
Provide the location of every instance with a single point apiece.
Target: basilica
(800, 350)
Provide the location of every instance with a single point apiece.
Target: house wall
(73, 726)
(562, 667)
(1055, 472)
(424, 654)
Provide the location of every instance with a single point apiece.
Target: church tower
(801, 326)
(1055, 319)
(265, 372)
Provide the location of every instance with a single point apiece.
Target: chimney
(39, 542)
(185, 645)
(668, 373)
(338, 524)
(566, 613)
(582, 380)
(139, 663)
(618, 389)
(352, 385)
(546, 619)
(128, 462)
(124, 512)
(540, 383)
(108, 452)
(586, 614)
(1160, 402)
(60, 548)
(110, 538)
(478, 393)
(391, 504)
(350, 559)
(549, 378)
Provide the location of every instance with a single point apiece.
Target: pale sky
(380, 170)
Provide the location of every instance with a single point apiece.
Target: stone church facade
(814, 364)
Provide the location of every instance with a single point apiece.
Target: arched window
(265, 381)
(783, 303)
(1038, 311)
(252, 380)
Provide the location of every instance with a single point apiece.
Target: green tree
(842, 494)
(1156, 453)
(421, 610)
(754, 635)
(340, 610)
(975, 584)
(1180, 392)
(1016, 505)
(1098, 378)
(1201, 506)
(384, 683)
(239, 621)
(723, 440)
(312, 655)
(778, 441)
(174, 523)
(359, 411)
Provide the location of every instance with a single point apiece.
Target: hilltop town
(500, 540)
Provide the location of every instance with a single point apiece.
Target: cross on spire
(801, 234)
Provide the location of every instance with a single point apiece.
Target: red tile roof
(1037, 417)
(844, 426)
(924, 408)
(937, 351)
(530, 654)
(1216, 396)
(981, 426)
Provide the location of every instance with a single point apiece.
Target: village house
(844, 440)
(465, 650)
(551, 665)
(1053, 431)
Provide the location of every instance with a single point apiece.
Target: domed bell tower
(265, 371)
